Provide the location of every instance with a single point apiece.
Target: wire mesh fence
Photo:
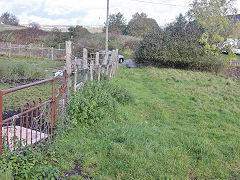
(30, 50)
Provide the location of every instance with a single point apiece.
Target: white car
(120, 57)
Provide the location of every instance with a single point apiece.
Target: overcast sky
(91, 12)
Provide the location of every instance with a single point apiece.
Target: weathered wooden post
(116, 60)
(75, 78)
(112, 62)
(85, 64)
(30, 49)
(97, 65)
(42, 52)
(9, 49)
(68, 63)
(105, 61)
(91, 70)
(52, 53)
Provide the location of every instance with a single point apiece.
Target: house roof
(236, 18)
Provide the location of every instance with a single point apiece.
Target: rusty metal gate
(36, 120)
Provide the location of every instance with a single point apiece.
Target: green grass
(182, 125)
(4, 27)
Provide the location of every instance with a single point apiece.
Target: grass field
(4, 27)
(182, 125)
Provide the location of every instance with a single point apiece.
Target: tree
(140, 24)
(10, 19)
(212, 16)
(176, 46)
(77, 31)
(117, 23)
(34, 25)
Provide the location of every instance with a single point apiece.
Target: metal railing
(37, 119)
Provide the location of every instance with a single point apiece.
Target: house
(235, 18)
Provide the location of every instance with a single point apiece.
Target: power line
(165, 4)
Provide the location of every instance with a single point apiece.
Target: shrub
(176, 46)
(26, 164)
(20, 71)
(96, 101)
(140, 24)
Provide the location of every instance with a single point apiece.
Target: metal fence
(36, 119)
(30, 50)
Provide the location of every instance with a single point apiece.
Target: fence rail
(35, 123)
(9, 49)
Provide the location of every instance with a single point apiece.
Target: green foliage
(117, 24)
(26, 164)
(212, 16)
(20, 71)
(78, 31)
(140, 24)
(96, 101)
(176, 46)
(10, 19)
(55, 37)
(182, 125)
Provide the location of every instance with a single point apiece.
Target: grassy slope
(4, 27)
(183, 125)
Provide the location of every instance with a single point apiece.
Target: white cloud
(90, 12)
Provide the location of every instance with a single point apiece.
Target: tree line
(137, 26)
(9, 19)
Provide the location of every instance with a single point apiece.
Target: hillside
(4, 27)
(22, 36)
(182, 125)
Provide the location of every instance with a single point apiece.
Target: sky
(91, 12)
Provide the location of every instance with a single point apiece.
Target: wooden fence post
(30, 49)
(116, 60)
(52, 53)
(91, 70)
(105, 61)
(98, 66)
(112, 62)
(9, 52)
(42, 52)
(75, 78)
(85, 64)
(68, 63)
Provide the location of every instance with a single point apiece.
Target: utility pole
(107, 23)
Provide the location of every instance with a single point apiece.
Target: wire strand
(159, 3)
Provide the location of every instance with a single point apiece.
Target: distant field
(95, 30)
(4, 27)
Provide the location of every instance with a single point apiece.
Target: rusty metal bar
(22, 113)
(25, 86)
(31, 127)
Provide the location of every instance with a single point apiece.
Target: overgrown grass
(4, 27)
(182, 125)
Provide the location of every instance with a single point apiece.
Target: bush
(26, 164)
(20, 71)
(176, 46)
(96, 101)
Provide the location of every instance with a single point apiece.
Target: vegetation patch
(181, 124)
